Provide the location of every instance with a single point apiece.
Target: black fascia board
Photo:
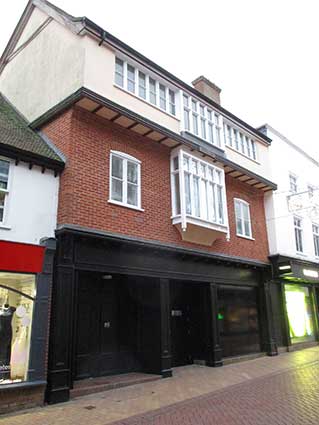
(107, 37)
(30, 157)
(84, 92)
(278, 259)
(156, 245)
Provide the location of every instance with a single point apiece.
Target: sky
(263, 54)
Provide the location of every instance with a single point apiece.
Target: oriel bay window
(199, 198)
(125, 180)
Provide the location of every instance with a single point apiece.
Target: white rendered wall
(285, 159)
(31, 204)
(46, 71)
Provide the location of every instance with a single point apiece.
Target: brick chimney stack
(207, 88)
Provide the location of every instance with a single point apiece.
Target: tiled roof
(15, 133)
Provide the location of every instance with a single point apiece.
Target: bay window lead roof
(82, 24)
(19, 141)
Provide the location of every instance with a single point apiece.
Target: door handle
(107, 325)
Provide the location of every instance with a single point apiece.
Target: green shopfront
(295, 297)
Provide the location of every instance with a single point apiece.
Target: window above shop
(199, 198)
(298, 234)
(125, 180)
(243, 221)
(202, 121)
(240, 142)
(144, 86)
(4, 186)
(315, 232)
(293, 183)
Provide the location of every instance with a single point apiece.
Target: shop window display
(17, 292)
(300, 313)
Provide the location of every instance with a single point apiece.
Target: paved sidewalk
(261, 386)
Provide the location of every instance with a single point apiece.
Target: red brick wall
(20, 398)
(86, 141)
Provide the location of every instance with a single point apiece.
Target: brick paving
(278, 390)
(290, 397)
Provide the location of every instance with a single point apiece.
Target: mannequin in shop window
(6, 316)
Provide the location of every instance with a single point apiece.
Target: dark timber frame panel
(83, 250)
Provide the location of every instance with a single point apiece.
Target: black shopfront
(126, 305)
(294, 293)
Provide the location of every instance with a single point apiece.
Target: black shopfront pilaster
(214, 348)
(162, 293)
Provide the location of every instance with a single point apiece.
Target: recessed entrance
(106, 334)
(188, 323)
(117, 326)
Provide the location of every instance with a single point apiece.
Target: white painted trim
(121, 204)
(240, 153)
(243, 202)
(126, 157)
(147, 101)
(145, 71)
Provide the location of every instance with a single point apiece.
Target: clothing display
(6, 316)
(19, 355)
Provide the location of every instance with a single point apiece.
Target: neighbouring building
(162, 251)
(292, 214)
(28, 211)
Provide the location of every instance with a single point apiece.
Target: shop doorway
(188, 325)
(106, 326)
(238, 320)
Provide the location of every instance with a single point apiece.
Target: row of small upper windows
(197, 118)
(144, 86)
(198, 184)
(202, 121)
(240, 142)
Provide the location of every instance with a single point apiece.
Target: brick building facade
(87, 140)
(161, 237)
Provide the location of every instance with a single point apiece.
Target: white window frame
(205, 182)
(6, 193)
(211, 119)
(239, 141)
(295, 177)
(299, 229)
(311, 188)
(170, 107)
(315, 234)
(243, 203)
(125, 158)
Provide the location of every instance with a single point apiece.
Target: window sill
(245, 237)
(301, 254)
(4, 227)
(147, 102)
(120, 204)
(242, 154)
